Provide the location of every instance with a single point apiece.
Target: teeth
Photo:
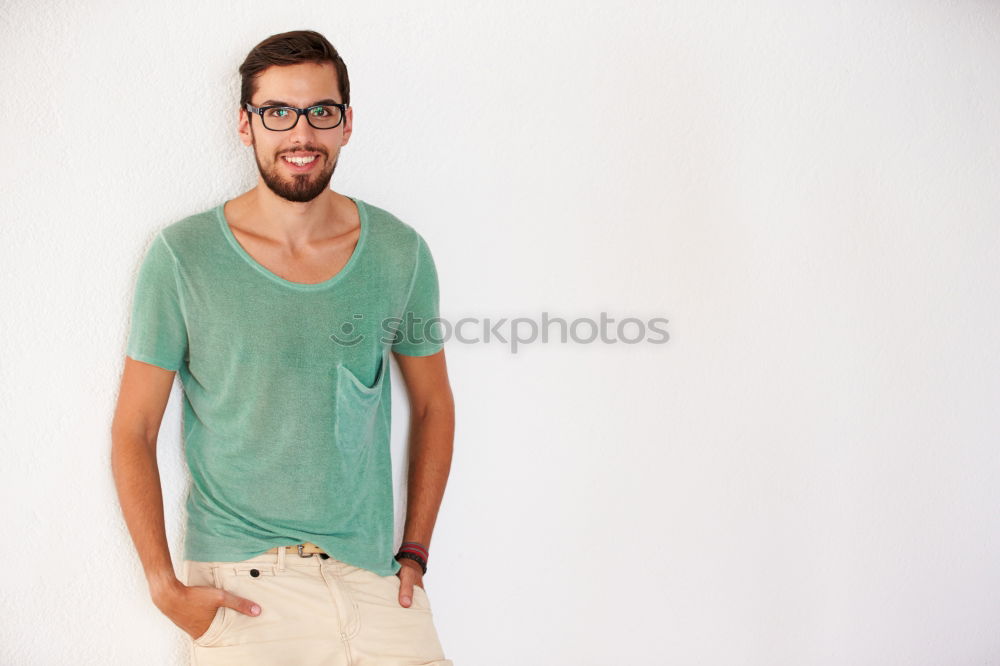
(300, 160)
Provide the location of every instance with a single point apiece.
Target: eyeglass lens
(320, 117)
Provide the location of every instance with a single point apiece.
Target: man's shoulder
(192, 231)
(390, 227)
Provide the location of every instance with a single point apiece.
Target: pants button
(255, 572)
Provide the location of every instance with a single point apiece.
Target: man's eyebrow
(278, 102)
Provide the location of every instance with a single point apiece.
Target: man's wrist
(406, 562)
(162, 582)
(415, 552)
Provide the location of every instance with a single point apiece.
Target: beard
(295, 187)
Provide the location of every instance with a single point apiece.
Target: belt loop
(281, 558)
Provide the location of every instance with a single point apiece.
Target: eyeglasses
(283, 118)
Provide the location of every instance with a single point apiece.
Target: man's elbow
(437, 407)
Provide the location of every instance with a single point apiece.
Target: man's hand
(409, 575)
(192, 608)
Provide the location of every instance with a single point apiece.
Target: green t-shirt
(286, 385)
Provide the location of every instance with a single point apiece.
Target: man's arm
(431, 439)
(142, 399)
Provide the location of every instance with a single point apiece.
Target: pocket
(357, 406)
(419, 601)
(206, 573)
(420, 598)
(227, 625)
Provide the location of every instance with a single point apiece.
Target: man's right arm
(142, 399)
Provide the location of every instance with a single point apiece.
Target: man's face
(301, 85)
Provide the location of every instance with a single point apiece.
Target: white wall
(806, 473)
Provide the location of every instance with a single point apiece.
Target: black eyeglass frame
(259, 110)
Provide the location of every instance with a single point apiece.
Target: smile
(300, 163)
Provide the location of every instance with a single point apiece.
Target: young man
(278, 309)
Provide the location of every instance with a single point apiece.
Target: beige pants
(314, 612)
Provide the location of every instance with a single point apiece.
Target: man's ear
(348, 124)
(243, 127)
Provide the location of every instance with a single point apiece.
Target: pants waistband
(306, 549)
(288, 555)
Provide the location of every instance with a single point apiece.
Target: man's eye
(320, 111)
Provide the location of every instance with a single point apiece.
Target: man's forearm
(431, 444)
(137, 478)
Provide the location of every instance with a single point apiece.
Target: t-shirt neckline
(302, 286)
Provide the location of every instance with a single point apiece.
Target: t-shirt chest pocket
(357, 406)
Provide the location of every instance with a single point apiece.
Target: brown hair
(290, 48)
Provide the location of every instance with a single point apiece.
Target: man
(278, 310)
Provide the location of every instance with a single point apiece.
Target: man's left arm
(431, 440)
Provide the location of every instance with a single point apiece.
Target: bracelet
(412, 556)
(413, 551)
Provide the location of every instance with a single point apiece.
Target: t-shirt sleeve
(419, 333)
(157, 332)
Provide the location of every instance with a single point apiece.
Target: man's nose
(303, 133)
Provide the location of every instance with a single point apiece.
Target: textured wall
(805, 474)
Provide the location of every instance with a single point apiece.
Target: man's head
(298, 69)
